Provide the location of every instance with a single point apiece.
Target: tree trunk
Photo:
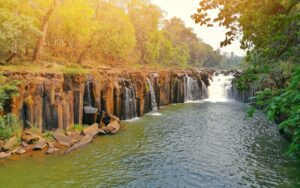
(84, 53)
(11, 56)
(44, 28)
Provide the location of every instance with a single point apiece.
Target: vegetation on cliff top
(271, 34)
(92, 33)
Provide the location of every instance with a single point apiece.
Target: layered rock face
(50, 101)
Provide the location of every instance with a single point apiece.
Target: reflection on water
(190, 145)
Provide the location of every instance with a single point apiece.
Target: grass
(77, 128)
(73, 70)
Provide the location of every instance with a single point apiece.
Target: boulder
(113, 127)
(61, 138)
(29, 137)
(4, 155)
(92, 130)
(10, 144)
(51, 149)
(1, 144)
(75, 137)
(113, 118)
(41, 144)
(83, 142)
(20, 151)
(24, 144)
(102, 132)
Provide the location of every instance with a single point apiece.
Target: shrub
(9, 126)
(284, 103)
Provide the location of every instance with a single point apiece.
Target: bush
(77, 127)
(9, 126)
(7, 92)
(284, 103)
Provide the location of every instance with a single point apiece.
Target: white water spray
(191, 89)
(219, 88)
(153, 97)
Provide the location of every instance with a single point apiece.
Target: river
(209, 143)
(201, 144)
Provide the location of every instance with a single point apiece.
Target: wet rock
(113, 127)
(83, 142)
(10, 144)
(29, 137)
(51, 149)
(92, 130)
(4, 155)
(61, 138)
(41, 144)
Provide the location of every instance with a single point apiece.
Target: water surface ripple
(190, 145)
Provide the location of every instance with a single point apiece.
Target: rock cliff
(57, 100)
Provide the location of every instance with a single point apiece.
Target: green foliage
(114, 38)
(77, 128)
(9, 126)
(48, 135)
(284, 103)
(16, 29)
(73, 70)
(7, 92)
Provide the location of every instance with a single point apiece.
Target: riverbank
(51, 101)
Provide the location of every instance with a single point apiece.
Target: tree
(16, 30)
(114, 39)
(71, 28)
(44, 29)
(146, 19)
(271, 26)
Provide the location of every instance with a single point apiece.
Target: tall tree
(44, 29)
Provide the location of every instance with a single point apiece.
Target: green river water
(189, 145)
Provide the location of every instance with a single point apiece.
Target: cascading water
(89, 109)
(204, 90)
(153, 97)
(191, 89)
(129, 102)
(220, 87)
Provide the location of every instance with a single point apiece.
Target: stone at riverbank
(83, 142)
(61, 138)
(113, 127)
(10, 144)
(51, 149)
(20, 150)
(4, 155)
(29, 136)
(74, 136)
(92, 130)
(1, 144)
(41, 144)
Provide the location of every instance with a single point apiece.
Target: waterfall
(89, 93)
(204, 90)
(89, 109)
(191, 89)
(153, 97)
(130, 111)
(220, 87)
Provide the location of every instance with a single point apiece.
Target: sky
(183, 9)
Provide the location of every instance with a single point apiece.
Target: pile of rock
(31, 140)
